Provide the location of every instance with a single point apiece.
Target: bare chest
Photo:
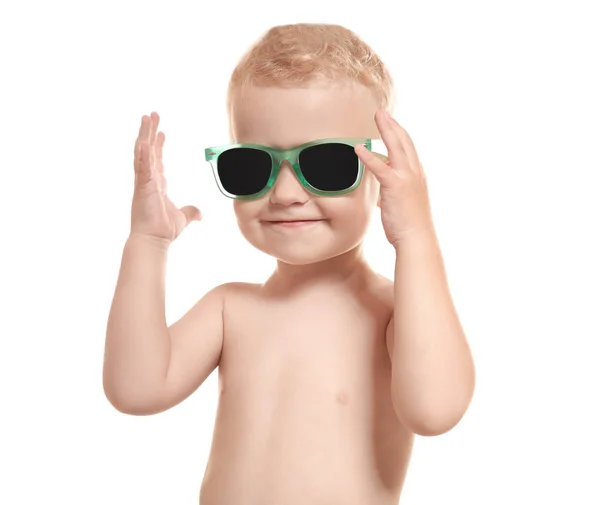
(305, 400)
(326, 345)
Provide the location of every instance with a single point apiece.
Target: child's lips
(296, 223)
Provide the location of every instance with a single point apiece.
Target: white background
(501, 100)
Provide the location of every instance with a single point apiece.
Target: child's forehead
(313, 94)
(287, 117)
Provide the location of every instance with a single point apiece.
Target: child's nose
(287, 189)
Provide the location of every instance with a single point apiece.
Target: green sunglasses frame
(278, 156)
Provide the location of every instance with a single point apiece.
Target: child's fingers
(396, 152)
(143, 172)
(145, 128)
(191, 213)
(154, 120)
(148, 150)
(409, 146)
(142, 134)
(382, 170)
(158, 152)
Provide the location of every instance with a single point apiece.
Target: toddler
(327, 370)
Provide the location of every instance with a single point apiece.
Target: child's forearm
(433, 372)
(137, 340)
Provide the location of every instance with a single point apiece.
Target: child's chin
(305, 252)
(305, 256)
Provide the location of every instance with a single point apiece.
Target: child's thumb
(191, 213)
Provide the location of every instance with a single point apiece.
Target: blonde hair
(296, 54)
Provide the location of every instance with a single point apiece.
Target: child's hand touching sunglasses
(404, 198)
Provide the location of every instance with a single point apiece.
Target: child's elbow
(431, 421)
(432, 426)
(130, 403)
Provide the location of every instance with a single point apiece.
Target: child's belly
(307, 423)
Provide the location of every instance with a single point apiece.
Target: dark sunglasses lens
(329, 167)
(244, 171)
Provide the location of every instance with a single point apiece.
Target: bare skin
(306, 412)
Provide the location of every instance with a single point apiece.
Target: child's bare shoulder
(380, 289)
(384, 286)
(239, 289)
(238, 294)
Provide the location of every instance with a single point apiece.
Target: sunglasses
(326, 167)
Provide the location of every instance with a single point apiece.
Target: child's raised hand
(404, 197)
(152, 212)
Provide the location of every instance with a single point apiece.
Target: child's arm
(433, 375)
(149, 368)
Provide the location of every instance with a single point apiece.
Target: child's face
(285, 118)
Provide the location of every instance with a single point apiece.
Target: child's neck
(343, 270)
